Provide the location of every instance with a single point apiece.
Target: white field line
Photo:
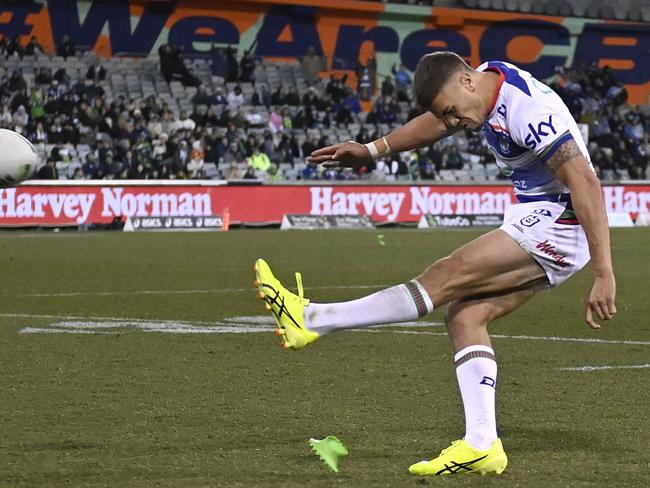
(184, 292)
(524, 337)
(254, 323)
(260, 319)
(255, 320)
(601, 368)
(107, 325)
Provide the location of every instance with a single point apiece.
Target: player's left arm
(571, 167)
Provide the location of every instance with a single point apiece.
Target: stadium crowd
(267, 134)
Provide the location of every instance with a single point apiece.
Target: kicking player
(559, 222)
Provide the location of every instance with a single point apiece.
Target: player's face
(458, 104)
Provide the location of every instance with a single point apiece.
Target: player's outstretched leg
(301, 322)
(461, 458)
(287, 308)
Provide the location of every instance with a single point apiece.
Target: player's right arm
(418, 132)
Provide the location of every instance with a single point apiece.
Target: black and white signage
(173, 224)
(312, 222)
(429, 221)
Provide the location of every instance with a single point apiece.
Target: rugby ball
(18, 158)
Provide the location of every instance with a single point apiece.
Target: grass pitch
(138, 360)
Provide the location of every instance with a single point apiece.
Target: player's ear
(467, 81)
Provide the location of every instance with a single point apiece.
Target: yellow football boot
(287, 308)
(461, 458)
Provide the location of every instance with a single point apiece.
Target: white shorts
(550, 233)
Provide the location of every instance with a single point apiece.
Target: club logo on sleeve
(535, 135)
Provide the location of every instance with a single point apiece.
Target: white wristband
(373, 150)
(387, 146)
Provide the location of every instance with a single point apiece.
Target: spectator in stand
(287, 121)
(33, 48)
(236, 117)
(211, 119)
(409, 159)
(246, 67)
(453, 159)
(268, 147)
(195, 164)
(291, 96)
(172, 66)
(250, 173)
(44, 76)
(138, 173)
(287, 149)
(65, 48)
(276, 121)
(17, 81)
(96, 74)
(182, 156)
(90, 166)
(261, 96)
(387, 87)
(234, 154)
(13, 47)
(402, 81)
(249, 145)
(219, 147)
(363, 82)
(39, 135)
(426, 167)
(202, 97)
(435, 155)
(254, 119)
(234, 172)
(259, 160)
(71, 132)
(259, 74)
(386, 109)
(309, 146)
(233, 65)
(37, 104)
(336, 88)
(48, 171)
(371, 65)
(344, 115)
(219, 98)
(184, 122)
(235, 98)
(353, 102)
(310, 98)
(219, 63)
(20, 120)
(312, 65)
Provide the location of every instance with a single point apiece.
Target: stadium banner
(74, 202)
(315, 222)
(429, 221)
(173, 224)
(345, 32)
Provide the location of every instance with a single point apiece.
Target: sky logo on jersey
(535, 135)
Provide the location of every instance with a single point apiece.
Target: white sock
(476, 370)
(401, 303)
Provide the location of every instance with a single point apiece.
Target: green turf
(133, 408)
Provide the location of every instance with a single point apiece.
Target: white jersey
(527, 124)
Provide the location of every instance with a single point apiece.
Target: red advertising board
(97, 202)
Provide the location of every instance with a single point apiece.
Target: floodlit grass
(126, 404)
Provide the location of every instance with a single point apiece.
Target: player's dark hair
(432, 72)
